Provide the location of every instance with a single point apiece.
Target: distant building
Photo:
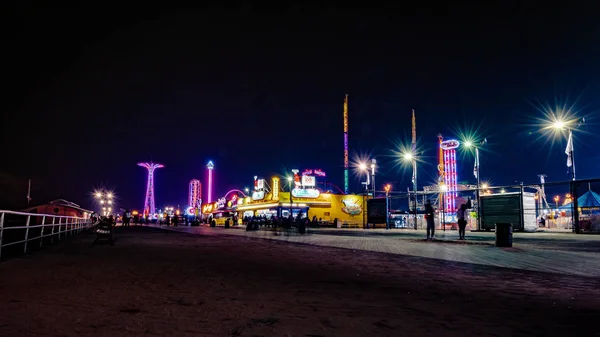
(60, 207)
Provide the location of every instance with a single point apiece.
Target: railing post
(42, 231)
(1, 232)
(26, 234)
(59, 227)
(52, 232)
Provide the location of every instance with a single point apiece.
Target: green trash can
(504, 235)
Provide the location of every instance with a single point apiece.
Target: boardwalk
(163, 283)
(547, 252)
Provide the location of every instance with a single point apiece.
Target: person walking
(429, 214)
(462, 223)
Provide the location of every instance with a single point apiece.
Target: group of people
(460, 215)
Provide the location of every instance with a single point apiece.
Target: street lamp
(560, 125)
(105, 199)
(469, 144)
(373, 162)
(411, 157)
(290, 180)
(387, 189)
(363, 167)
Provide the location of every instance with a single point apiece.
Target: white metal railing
(53, 226)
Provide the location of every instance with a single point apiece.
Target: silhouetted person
(429, 213)
(462, 223)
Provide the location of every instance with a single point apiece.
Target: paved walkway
(547, 252)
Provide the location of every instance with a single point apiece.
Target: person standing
(462, 223)
(429, 214)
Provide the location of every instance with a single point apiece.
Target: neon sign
(308, 181)
(449, 144)
(220, 203)
(305, 193)
(191, 211)
(207, 208)
(258, 195)
(316, 172)
(275, 188)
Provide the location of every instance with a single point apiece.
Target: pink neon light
(235, 190)
(209, 194)
(210, 166)
(450, 179)
(149, 206)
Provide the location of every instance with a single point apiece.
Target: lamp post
(373, 162)
(105, 199)
(387, 205)
(290, 180)
(412, 158)
(363, 167)
(477, 173)
(559, 125)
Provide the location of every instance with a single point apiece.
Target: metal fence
(21, 233)
(530, 207)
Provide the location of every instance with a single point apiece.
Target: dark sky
(90, 92)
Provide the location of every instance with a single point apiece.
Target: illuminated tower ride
(346, 182)
(210, 166)
(149, 207)
(450, 174)
(195, 195)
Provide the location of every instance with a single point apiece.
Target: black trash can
(504, 235)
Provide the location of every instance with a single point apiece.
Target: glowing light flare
(405, 156)
(554, 121)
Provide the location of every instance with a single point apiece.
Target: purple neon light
(450, 179)
(210, 166)
(149, 206)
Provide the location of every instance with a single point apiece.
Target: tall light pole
(560, 125)
(387, 205)
(477, 173)
(363, 167)
(411, 157)
(373, 162)
(290, 180)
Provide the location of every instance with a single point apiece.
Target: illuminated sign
(220, 203)
(207, 208)
(449, 144)
(275, 189)
(258, 195)
(305, 193)
(260, 184)
(317, 172)
(308, 181)
(351, 206)
(191, 211)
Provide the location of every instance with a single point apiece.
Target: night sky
(90, 92)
